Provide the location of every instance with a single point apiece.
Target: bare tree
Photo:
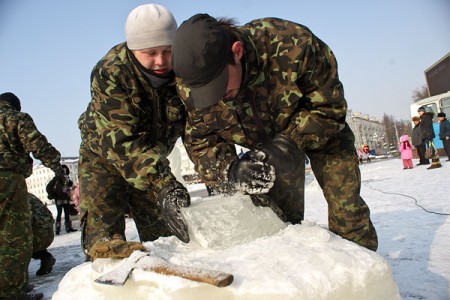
(420, 93)
(394, 129)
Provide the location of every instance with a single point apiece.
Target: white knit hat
(148, 26)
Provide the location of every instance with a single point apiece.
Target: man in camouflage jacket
(42, 227)
(18, 138)
(130, 126)
(271, 86)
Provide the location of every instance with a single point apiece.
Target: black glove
(173, 196)
(282, 153)
(251, 175)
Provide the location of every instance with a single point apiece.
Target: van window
(445, 106)
(433, 107)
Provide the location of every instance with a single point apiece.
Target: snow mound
(293, 262)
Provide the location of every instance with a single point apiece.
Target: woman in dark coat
(427, 131)
(417, 142)
(60, 191)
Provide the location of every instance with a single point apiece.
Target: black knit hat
(11, 99)
(441, 114)
(422, 108)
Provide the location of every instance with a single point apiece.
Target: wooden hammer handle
(215, 278)
(162, 266)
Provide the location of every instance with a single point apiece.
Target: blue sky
(49, 47)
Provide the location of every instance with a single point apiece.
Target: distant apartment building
(187, 166)
(42, 175)
(367, 130)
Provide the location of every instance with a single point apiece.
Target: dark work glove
(251, 175)
(282, 153)
(173, 196)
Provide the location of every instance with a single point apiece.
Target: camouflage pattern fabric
(127, 131)
(291, 86)
(15, 234)
(336, 169)
(18, 138)
(104, 195)
(41, 223)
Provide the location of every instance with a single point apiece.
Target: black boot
(69, 227)
(47, 262)
(29, 287)
(57, 228)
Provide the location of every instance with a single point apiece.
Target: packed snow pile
(268, 259)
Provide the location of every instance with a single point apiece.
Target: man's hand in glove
(282, 153)
(173, 196)
(115, 248)
(251, 175)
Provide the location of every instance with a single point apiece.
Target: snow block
(305, 262)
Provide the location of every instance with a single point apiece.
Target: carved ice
(222, 222)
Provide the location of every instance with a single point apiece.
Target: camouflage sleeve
(35, 142)
(210, 153)
(119, 136)
(322, 106)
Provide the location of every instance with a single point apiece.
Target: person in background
(427, 133)
(60, 191)
(366, 151)
(18, 138)
(209, 189)
(360, 154)
(271, 86)
(42, 227)
(405, 152)
(76, 197)
(129, 128)
(444, 133)
(417, 142)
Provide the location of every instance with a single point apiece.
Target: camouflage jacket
(290, 86)
(41, 216)
(18, 138)
(130, 123)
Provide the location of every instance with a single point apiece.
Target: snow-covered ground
(410, 210)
